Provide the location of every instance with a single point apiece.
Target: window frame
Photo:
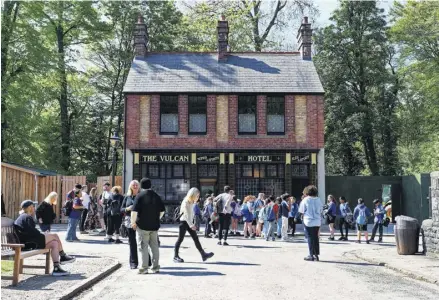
(173, 171)
(189, 116)
(266, 116)
(277, 171)
(163, 97)
(256, 115)
(242, 171)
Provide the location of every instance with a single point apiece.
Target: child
(197, 215)
(292, 216)
(247, 216)
(74, 216)
(285, 210)
(378, 221)
(345, 218)
(207, 212)
(361, 213)
(236, 215)
(331, 216)
(278, 216)
(270, 220)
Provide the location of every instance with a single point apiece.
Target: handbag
(127, 221)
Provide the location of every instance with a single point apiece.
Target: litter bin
(407, 235)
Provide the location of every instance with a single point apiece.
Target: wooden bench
(11, 248)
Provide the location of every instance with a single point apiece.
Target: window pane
(158, 185)
(178, 170)
(247, 171)
(197, 105)
(176, 189)
(197, 123)
(275, 114)
(213, 170)
(271, 171)
(247, 114)
(202, 171)
(169, 114)
(153, 171)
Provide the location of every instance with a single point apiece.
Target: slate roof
(241, 73)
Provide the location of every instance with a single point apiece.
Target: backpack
(68, 207)
(362, 218)
(349, 218)
(262, 214)
(219, 206)
(270, 214)
(237, 211)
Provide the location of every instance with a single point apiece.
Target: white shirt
(311, 208)
(187, 211)
(85, 200)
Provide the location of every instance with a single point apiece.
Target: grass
(7, 266)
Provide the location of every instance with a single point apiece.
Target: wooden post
(21, 266)
(16, 274)
(47, 269)
(60, 197)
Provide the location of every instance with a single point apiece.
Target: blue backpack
(362, 218)
(270, 214)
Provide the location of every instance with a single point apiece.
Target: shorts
(362, 227)
(236, 217)
(330, 219)
(254, 222)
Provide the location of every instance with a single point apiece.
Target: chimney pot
(140, 37)
(305, 20)
(223, 17)
(304, 36)
(223, 38)
(140, 19)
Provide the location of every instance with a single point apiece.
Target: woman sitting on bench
(32, 238)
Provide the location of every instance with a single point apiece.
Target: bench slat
(33, 252)
(33, 267)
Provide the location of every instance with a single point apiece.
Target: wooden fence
(103, 179)
(19, 184)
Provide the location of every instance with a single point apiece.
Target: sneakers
(66, 259)
(219, 243)
(273, 239)
(309, 258)
(57, 271)
(316, 257)
(367, 242)
(246, 236)
(83, 232)
(133, 267)
(225, 243)
(331, 238)
(142, 271)
(359, 242)
(178, 259)
(118, 242)
(207, 237)
(155, 271)
(380, 240)
(341, 238)
(206, 256)
(110, 240)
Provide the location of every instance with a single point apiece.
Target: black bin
(407, 235)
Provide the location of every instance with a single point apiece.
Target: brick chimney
(304, 36)
(140, 37)
(223, 38)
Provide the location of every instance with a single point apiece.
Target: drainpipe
(124, 143)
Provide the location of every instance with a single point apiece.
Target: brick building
(251, 120)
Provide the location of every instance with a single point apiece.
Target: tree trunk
(369, 147)
(63, 102)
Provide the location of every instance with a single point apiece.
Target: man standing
(72, 193)
(285, 209)
(148, 208)
(222, 206)
(85, 202)
(103, 200)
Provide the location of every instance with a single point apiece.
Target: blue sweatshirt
(332, 209)
(357, 211)
(344, 209)
(197, 211)
(284, 209)
(294, 210)
(381, 212)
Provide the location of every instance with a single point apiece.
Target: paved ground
(251, 269)
(255, 269)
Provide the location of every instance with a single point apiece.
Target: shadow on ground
(226, 263)
(349, 263)
(39, 282)
(192, 273)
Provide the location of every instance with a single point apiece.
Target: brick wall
(304, 124)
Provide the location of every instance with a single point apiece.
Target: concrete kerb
(73, 291)
(397, 269)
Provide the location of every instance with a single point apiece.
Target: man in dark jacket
(32, 238)
(148, 208)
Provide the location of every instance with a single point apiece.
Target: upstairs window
(197, 114)
(168, 114)
(247, 114)
(275, 115)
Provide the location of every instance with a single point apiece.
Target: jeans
(342, 223)
(148, 239)
(71, 229)
(265, 228)
(113, 224)
(45, 227)
(313, 240)
(292, 224)
(183, 228)
(374, 230)
(133, 247)
(270, 229)
(207, 228)
(279, 226)
(197, 222)
(83, 218)
(224, 224)
(284, 227)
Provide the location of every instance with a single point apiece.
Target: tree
(416, 31)
(354, 59)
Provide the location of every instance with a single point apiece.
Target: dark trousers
(207, 228)
(224, 224)
(374, 230)
(183, 228)
(113, 224)
(133, 247)
(342, 223)
(292, 225)
(83, 218)
(313, 240)
(214, 227)
(45, 227)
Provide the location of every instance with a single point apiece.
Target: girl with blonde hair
(45, 213)
(187, 225)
